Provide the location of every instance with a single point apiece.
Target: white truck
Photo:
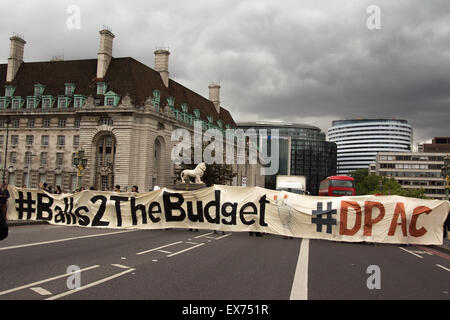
(294, 184)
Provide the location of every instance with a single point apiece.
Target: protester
(117, 188)
(135, 189)
(4, 195)
(58, 189)
(91, 188)
(50, 189)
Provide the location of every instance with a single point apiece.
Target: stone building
(120, 112)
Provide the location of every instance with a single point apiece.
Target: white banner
(384, 219)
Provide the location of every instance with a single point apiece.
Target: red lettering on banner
(413, 225)
(368, 221)
(399, 211)
(345, 205)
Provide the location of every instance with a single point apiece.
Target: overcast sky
(299, 61)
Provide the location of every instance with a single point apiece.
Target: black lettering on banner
(118, 200)
(44, 207)
(214, 203)
(60, 217)
(25, 205)
(170, 206)
(190, 212)
(151, 212)
(262, 211)
(231, 214)
(82, 220)
(242, 212)
(134, 209)
(101, 211)
(68, 207)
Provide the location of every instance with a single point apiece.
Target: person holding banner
(4, 195)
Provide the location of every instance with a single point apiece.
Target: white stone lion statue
(197, 173)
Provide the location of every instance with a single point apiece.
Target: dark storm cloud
(304, 61)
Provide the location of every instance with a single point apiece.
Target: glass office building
(304, 151)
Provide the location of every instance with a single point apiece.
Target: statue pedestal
(188, 186)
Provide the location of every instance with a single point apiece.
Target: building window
(62, 102)
(76, 141)
(30, 123)
(77, 123)
(105, 121)
(59, 159)
(9, 91)
(62, 123)
(78, 102)
(28, 157)
(44, 141)
(16, 123)
(29, 140)
(111, 99)
(31, 103)
(46, 103)
(13, 157)
(46, 123)
(101, 88)
(43, 158)
(15, 104)
(14, 140)
(1, 140)
(61, 141)
(109, 102)
(38, 89)
(69, 89)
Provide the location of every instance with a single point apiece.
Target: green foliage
(370, 184)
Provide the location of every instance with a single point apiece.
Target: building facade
(303, 151)
(358, 141)
(413, 170)
(120, 112)
(438, 144)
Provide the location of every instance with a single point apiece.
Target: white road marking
(226, 235)
(422, 252)
(90, 285)
(46, 280)
(210, 237)
(123, 258)
(154, 249)
(62, 240)
(120, 266)
(299, 289)
(164, 251)
(190, 242)
(415, 254)
(203, 235)
(438, 265)
(174, 254)
(41, 291)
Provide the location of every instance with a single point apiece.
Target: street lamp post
(80, 162)
(8, 121)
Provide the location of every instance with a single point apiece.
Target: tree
(366, 183)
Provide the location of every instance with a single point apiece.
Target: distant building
(413, 170)
(359, 140)
(303, 151)
(438, 144)
(119, 111)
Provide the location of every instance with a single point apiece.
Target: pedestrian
(50, 189)
(91, 188)
(135, 189)
(4, 195)
(58, 189)
(446, 225)
(117, 188)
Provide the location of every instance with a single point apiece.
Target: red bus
(337, 186)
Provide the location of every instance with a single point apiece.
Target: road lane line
(46, 280)
(154, 249)
(438, 265)
(164, 251)
(120, 266)
(90, 285)
(414, 254)
(436, 253)
(41, 291)
(203, 235)
(62, 240)
(299, 289)
(174, 254)
(190, 242)
(224, 236)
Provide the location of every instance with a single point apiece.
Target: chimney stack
(214, 95)
(162, 64)
(105, 52)
(15, 56)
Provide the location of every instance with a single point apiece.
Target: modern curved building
(304, 151)
(359, 140)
